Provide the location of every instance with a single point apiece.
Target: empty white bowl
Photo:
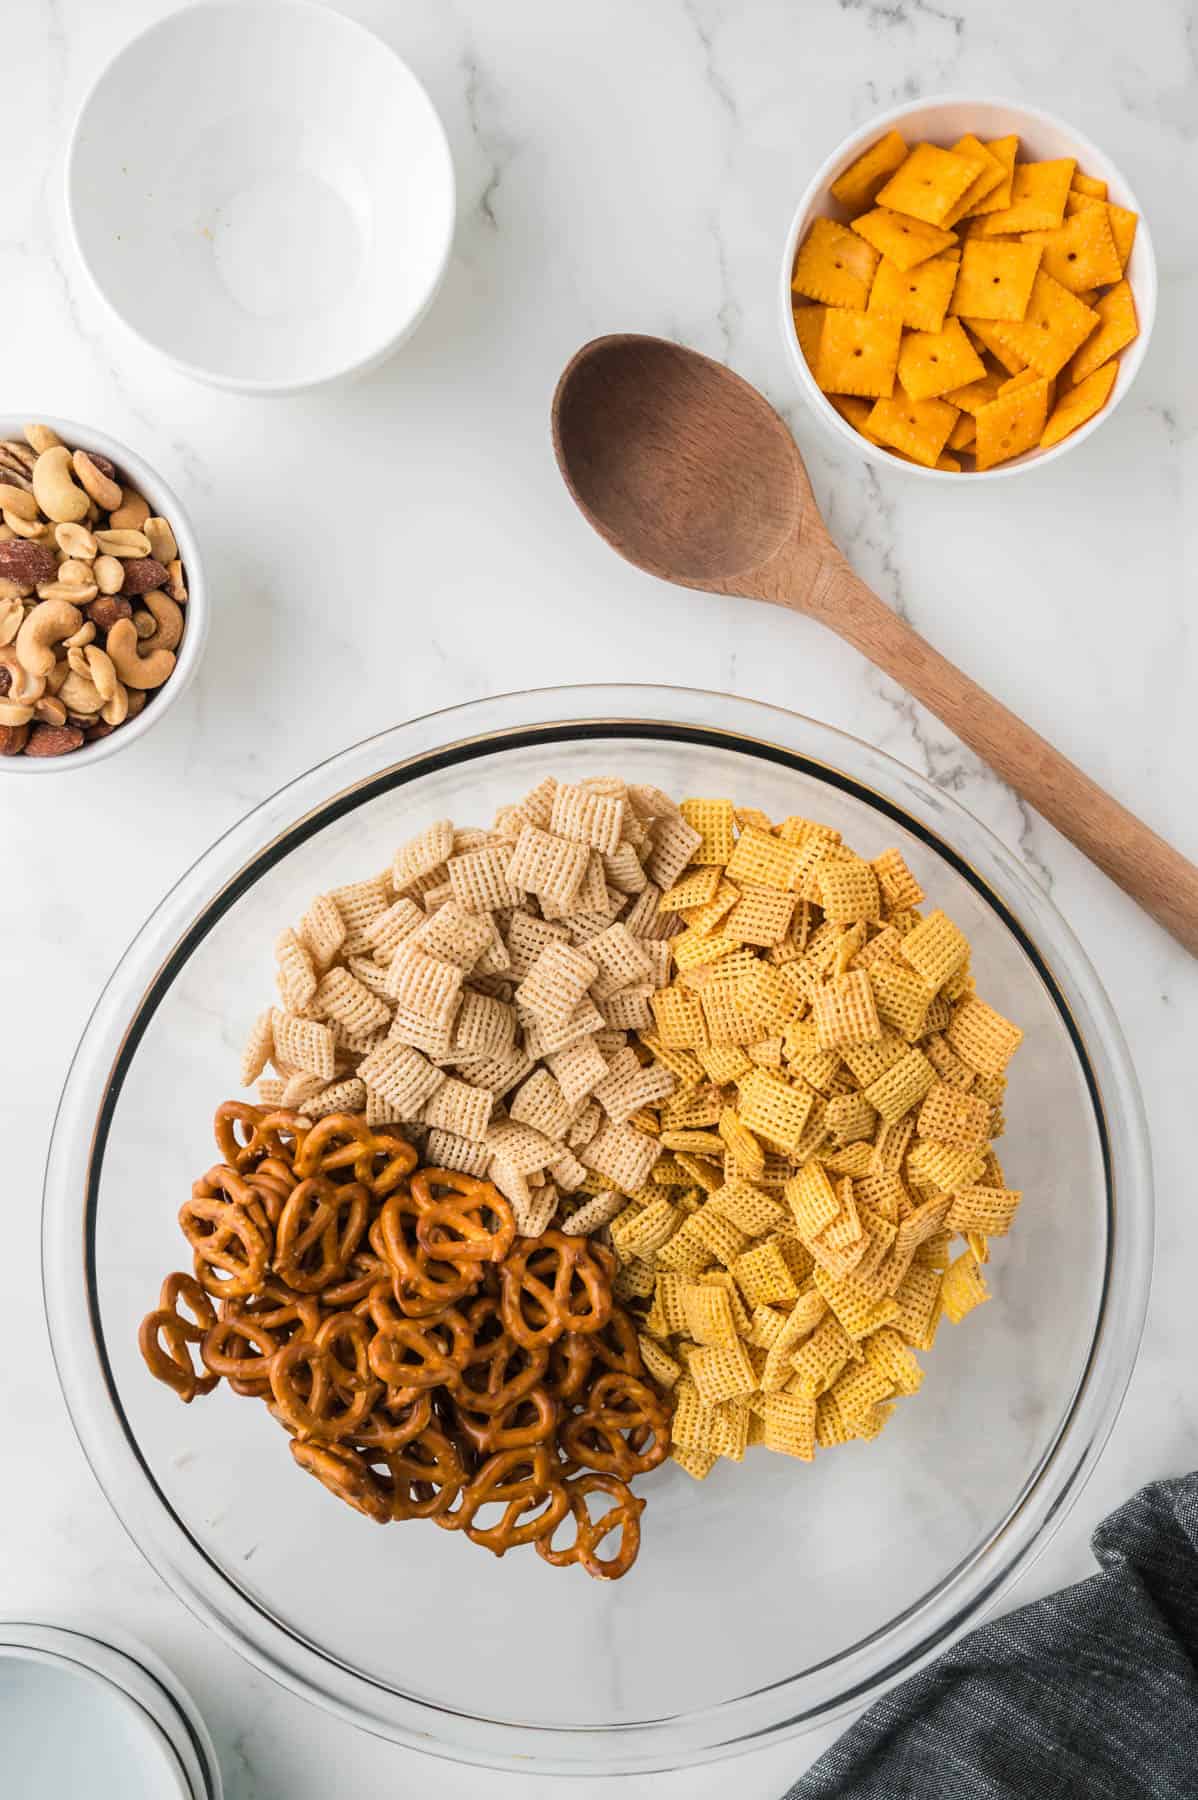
(66, 1729)
(943, 120)
(264, 192)
(164, 503)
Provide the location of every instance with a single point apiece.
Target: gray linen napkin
(1091, 1694)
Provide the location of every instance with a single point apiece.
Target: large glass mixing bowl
(773, 1595)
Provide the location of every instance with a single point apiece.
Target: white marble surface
(405, 543)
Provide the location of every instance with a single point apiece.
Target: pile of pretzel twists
(426, 1361)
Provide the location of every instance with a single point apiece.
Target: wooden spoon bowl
(690, 474)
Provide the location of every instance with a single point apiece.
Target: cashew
(104, 492)
(110, 574)
(86, 634)
(40, 437)
(76, 540)
(22, 686)
(127, 543)
(12, 614)
(145, 624)
(13, 712)
(162, 540)
(79, 593)
(26, 528)
(101, 670)
(176, 587)
(168, 616)
(79, 694)
(50, 711)
(22, 503)
(54, 489)
(134, 670)
(46, 626)
(131, 514)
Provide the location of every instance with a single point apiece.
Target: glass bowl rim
(400, 754)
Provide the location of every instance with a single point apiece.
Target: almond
(53, 740)
(105, 611)
(21, 559)
(143, 575)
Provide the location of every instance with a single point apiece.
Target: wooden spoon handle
(1155, 874)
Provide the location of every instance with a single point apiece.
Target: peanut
(76, 540)
(110, 573)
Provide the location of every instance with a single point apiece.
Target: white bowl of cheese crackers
(968, 287)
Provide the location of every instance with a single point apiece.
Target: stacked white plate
(81, 1715)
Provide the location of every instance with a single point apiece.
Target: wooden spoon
(689, 472)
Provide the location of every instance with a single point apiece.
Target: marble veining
(404, 543)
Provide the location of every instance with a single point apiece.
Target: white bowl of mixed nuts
(103, 613)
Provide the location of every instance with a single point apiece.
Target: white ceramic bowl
(164, 503)
(114, 1749)
(139, 1677)
(943, 119)
(264, 192)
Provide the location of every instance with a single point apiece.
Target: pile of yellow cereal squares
(838, 1085)
(967, 307)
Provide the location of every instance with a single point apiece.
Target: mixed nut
(92, 597)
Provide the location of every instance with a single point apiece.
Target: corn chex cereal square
(834, 266)
(952, 1117)
(694, 889)
(747, 1206)
(715, 821)
(982, 1037)
(722, 1372)
(918, 297)
(708, 1313)
(763, 1275)
(932, 363)
(987, 1209)
(845, 1011)
(928, 184)
(789, 1425)
(856, 186)
(858, 352)
(962, 1288)
(724, 1239)
(773, 1108)
(917, 428)
(902, 241)
(760, 860)
(995, 279)
(621, 1154)
(1038, 194)
(1079, 404)
(936, 949)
